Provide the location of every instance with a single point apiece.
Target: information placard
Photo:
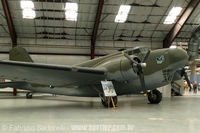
(108, 88)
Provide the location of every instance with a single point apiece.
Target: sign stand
(109, 92)
(113, 104)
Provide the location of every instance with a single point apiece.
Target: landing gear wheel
(29, 95)
(154, 97)
(105, 101)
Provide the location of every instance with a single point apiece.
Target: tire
(29, 95)
(105, 102)
(157, 97)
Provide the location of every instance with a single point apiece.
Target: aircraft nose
(178, 56)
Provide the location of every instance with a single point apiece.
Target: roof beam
(56, 1)
(180, 23)
(8, 17)
(96, 27)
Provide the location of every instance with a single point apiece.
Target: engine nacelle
(120, 68)
(129, 70)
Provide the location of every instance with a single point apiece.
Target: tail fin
(19, 54)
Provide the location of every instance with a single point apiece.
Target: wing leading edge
(55, 75)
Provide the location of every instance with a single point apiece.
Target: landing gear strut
(154, 96)
(29, 95)
(104, 101)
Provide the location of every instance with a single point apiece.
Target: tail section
(19, 54)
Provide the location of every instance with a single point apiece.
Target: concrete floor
(86, 115)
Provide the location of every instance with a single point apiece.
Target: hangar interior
(50, 38)
(50, 35)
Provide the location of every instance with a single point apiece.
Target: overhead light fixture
(173, 46)
(171, 17)
(122, 13)
(71, 11)
(27, 9)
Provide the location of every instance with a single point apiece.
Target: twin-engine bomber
(131, 71)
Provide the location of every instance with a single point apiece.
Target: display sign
(108, 88)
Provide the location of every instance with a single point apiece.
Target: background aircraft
(131, 71)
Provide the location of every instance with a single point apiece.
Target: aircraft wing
(54, 75)
(11, 84)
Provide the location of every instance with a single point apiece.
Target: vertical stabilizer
(19, 54)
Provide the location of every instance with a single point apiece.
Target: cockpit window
(137, 50)
(140, 50)
(144, 49)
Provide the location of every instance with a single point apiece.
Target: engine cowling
(128, 70)
(120, 69)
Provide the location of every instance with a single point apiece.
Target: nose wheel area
(154, 96)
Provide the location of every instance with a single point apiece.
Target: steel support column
(11, 29)
(179, 25)
(95, 28)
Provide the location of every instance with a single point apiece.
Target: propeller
(184, 73)
(140, 68)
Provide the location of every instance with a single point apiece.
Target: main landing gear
(154, 96)
(104, 101)
(29, 95)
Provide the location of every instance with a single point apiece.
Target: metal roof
(95, 26)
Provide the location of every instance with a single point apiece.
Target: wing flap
(56, 75)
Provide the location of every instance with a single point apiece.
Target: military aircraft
(131, 71)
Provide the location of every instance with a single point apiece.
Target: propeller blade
(146, 56)
(128, 57)
(187, 79)
(142, 81)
